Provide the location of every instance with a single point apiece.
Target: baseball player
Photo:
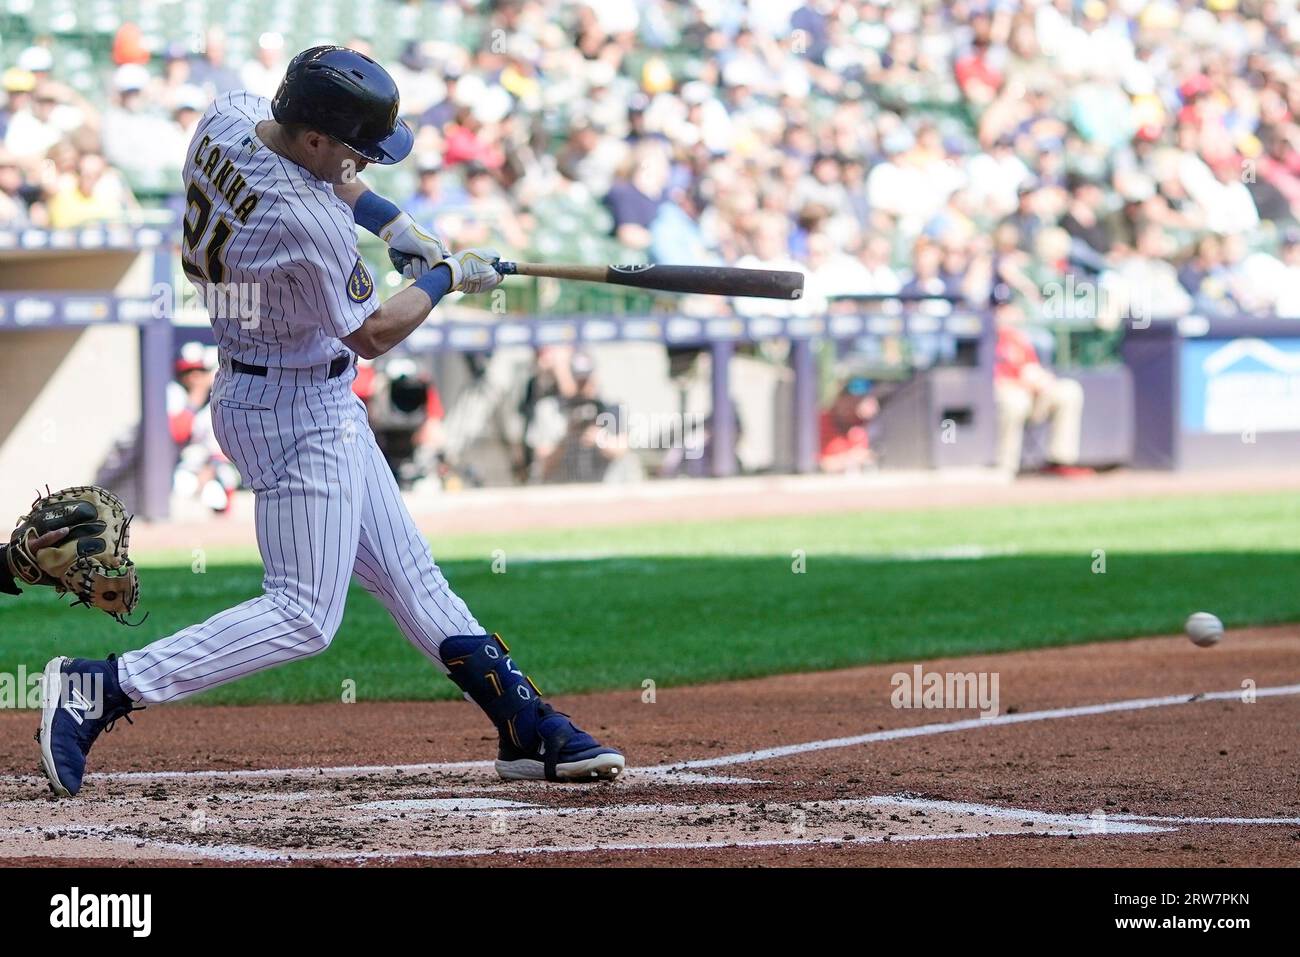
(272, 205)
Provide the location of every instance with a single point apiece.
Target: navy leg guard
(537, 742)
(481, 667)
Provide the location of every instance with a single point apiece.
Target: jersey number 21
(197, 202)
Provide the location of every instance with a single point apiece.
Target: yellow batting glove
(404, 235)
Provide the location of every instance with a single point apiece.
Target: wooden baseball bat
(707, 280)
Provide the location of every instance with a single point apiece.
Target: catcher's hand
(76, 540)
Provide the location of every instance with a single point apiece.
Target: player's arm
(6, 574)
(470, 270)
(400, 315)
(382, 217)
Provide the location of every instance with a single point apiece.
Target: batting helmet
(346, 95)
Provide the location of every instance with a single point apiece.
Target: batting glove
(423, 249)
(472, 270)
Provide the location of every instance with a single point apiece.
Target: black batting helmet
(346, 95)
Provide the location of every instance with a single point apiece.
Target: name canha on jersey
(270, 248)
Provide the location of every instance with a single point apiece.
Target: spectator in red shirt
(1278, 167)
(202, 470)
(976, 75)
(845, 445)
(187, 395)
(467, 141)
(1024, 392)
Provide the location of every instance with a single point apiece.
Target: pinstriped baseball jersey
(270, 248)
(327, 506)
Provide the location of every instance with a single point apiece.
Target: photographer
(589, 448)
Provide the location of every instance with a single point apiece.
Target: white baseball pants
(327, 508)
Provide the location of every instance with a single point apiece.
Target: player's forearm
(398, 229)
(369, 210)
(401, 315)
(350, 192)
(6, 576)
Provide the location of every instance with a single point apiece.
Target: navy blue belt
(337, 367)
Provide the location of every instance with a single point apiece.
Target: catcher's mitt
(91, 562)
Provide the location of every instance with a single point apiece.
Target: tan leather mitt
(92, 562)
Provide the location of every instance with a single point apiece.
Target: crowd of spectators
(978, 148)
(1077, 161)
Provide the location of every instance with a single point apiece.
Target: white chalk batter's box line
(233, 853)
(1051, 824)
(684, 772)
(657, 775)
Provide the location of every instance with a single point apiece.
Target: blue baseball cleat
(558, 751)
(538, 743)
(80, 698)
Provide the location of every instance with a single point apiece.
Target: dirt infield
(1147, 752)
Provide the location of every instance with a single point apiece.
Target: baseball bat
(707, 280)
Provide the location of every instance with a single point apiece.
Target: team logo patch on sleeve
(360, 285)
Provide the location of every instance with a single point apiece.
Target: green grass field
(586, 609)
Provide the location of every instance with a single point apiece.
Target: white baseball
(1204, 629)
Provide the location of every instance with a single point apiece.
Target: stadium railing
(1207, 391)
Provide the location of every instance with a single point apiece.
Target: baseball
(1204, 629)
